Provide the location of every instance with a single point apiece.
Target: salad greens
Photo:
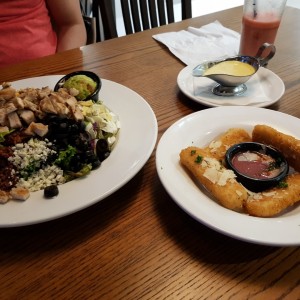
(65, 157)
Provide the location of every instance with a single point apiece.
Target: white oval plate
(136, 141)
(198, 129)
(263, 89)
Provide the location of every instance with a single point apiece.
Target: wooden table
(137, 243)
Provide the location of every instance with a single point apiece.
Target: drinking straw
(254, 9)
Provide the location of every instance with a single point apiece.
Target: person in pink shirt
(34, 28)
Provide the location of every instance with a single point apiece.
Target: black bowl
(257, 184)
(92, 75)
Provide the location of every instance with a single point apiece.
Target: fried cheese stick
(273, 201)
(288, 145)
(218, 180)
(218, 147)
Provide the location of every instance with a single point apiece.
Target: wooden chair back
(138, 15)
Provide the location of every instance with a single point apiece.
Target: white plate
(135, 144)
(198, 129)
(263, 89)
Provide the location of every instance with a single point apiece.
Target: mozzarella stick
(273, 201)
(218, 147)
(288, 145)
(218, 180)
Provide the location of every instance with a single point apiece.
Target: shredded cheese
(215, 172)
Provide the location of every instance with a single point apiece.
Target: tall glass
(261, 19)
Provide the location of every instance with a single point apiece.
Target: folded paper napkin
(196, 45)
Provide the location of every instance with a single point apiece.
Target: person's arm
(68, 21)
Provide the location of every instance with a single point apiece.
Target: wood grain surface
(137, 243)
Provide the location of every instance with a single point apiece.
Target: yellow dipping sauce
(231, 67)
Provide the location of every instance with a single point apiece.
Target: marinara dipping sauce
(256, 165)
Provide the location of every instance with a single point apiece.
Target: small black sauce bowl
(254, 184)
(92, 75)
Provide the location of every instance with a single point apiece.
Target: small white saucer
(263, 89)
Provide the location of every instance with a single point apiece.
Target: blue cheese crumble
(29, 160)
(42, 178)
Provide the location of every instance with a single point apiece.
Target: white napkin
(196, 45)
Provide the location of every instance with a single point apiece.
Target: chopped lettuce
(86, 169)
(65, 157)
(3, 134)
(100, 121)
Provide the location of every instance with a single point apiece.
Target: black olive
(63, 126)
(82, 126)
(90, 154)
(76, 158)
(101, 147)
(76, 163)
(84, 145)
(104, 155)
(61, 136)
(96, 164)
(74, 128)
(50, 191)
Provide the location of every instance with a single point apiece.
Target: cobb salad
(48, 138)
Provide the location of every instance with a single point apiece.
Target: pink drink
(255, 32)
